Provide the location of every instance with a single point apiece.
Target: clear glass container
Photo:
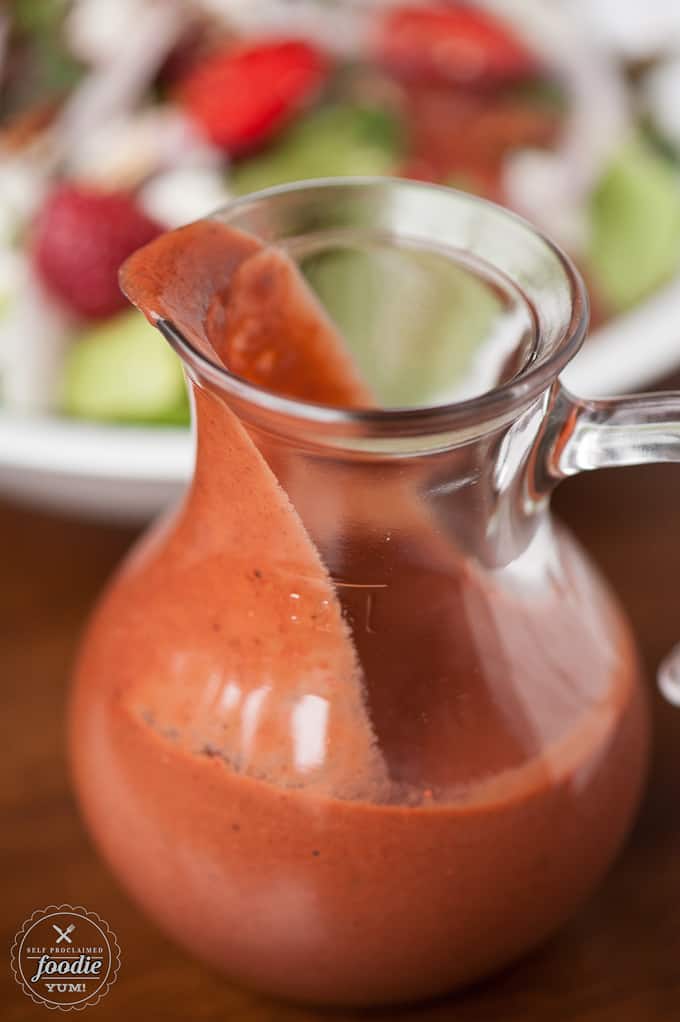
(359, 722)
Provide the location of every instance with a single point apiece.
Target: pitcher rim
(499, 402)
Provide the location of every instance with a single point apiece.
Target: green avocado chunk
(635, 226)
(344, 140)
(124, 371)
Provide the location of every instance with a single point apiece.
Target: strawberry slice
(243, 95)
(459, 45)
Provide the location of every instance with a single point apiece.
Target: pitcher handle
(583, 434)
(612, 432)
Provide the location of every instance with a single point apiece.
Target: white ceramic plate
(129, 473)
(110, 472)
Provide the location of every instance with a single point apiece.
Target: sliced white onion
(631, 350)
(97, 31)
(11, 274)
(23, 183)
(183, 194)
(551, 188)
(631, 29)
(115, 87)
(340, 26)
(34, 335)
(131, 147)
(661, 96)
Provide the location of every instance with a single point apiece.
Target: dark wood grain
(618, 961)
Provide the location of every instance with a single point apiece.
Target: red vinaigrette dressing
(305, 813)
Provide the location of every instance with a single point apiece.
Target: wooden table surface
(618, 961)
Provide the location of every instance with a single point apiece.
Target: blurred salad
(119, 120)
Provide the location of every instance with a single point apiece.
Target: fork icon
(64, 934)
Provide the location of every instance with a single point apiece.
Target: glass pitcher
(359, 722)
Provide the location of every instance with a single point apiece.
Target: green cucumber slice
(124, 371)
(635, 226)
(337, 140)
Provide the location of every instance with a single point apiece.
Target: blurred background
(122, 118)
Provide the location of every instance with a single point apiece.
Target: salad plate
(108, 137)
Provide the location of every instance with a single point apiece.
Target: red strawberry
(243, 95)
(81, 238)
(460, 45)
(418, 168)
